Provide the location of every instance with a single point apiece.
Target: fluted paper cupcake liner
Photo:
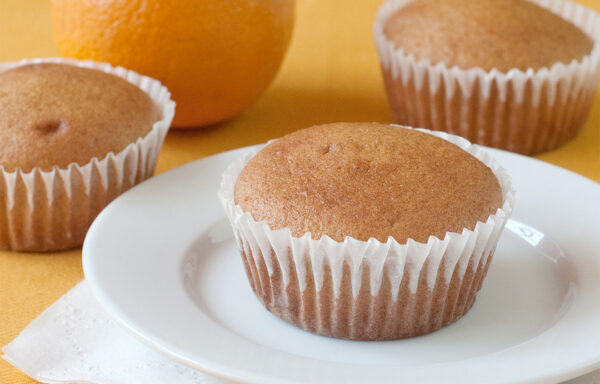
(52, 210)
(367, 290)
(521, 111)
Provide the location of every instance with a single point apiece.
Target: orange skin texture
(215, 56)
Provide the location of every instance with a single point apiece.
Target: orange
(215, 56)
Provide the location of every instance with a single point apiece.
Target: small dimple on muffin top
(58, 114)
(367, 180)
(501, 34)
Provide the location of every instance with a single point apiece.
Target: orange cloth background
(331, 73)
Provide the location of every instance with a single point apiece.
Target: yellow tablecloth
(331, 73)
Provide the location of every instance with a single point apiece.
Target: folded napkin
(75, 341)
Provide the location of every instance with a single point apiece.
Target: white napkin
(75, 341)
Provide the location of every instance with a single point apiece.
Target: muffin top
(367, 180)
(501, 34)
(56, 114)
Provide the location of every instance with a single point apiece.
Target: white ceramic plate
(162, 260)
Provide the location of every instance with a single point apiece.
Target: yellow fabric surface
(331, 73)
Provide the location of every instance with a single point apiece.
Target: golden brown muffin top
(56, 114)
(367, 180)
(502, 34)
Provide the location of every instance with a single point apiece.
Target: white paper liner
(52, 210)
(522, 111)
(412, 268)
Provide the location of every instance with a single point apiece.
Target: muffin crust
(501, 34)
(56, 114)
(367, 180)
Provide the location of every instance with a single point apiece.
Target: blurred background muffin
(73, 138)
(505, 73)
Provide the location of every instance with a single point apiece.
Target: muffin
(513, 74)
(74, 136)
(367, 231)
